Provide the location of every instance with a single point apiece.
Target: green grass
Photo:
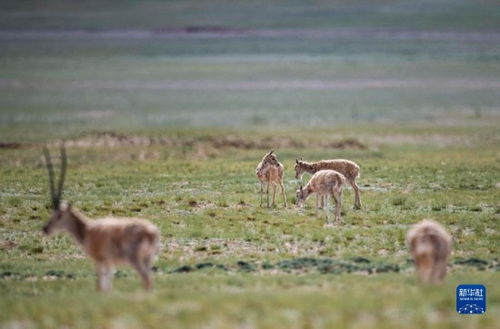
(281, 266)
(278, 301)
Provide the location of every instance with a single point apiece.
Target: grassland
(226, 262)
(170, 126)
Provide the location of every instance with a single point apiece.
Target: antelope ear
(296, 160)
(300, 188)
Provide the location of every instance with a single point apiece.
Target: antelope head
(270, 159)
(299, 168)
(301, 196)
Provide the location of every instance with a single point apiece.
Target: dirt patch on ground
(220, 142)
(201, 204)
(7, 244)
(111, 139)
(12, 145)
(435, 140)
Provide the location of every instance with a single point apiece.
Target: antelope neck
(308, 189)
(79, 227)
(309, 167)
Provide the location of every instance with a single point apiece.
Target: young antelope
(108, 241)
(324, 183)
(346, 167)
(430, 246)
(270, 172)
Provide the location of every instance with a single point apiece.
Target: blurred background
(68, 67)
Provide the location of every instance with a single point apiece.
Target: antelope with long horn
(108, 241)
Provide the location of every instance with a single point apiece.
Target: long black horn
(62, 174)
(50, 169)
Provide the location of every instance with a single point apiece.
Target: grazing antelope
(324, 183)
(270, 172)
(346, 167)
(108, 241)
(430, 247)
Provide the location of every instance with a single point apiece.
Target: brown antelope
(324, 183)
(108, 241)
(430, 247)
(270, 172)
(346, 167)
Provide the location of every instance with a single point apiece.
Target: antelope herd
(113, 241)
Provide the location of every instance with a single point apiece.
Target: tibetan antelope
(108, 241)
(430, 247)
(346, 167)
(324, 183)
(270, 172)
